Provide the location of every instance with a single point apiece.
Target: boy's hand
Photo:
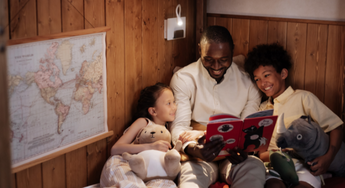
(190, 136)
(320, 165)
(236, 155)
(161, 145)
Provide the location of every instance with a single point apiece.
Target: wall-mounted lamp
(175, 28)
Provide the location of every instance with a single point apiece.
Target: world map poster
(57, 94)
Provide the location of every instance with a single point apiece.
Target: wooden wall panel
(296, 46)
(316, 59)
(211, 20)
(165, 58)
(277, 32)
(240, 35)
(133, 55)
(201, 22)
(48, 17)
(53, 172)
(4, 20)
(222, 22)
(30, 178)
(190, 42)
(150, 42)
(334, 74)
(94, 13)
(72, 15)
(115, 69)
(96, 157)
(13, 180)
(257, 33)
(76, 168)
(23, 19)
(6, 178)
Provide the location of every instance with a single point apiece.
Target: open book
(251, 134)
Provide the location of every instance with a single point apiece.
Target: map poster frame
(57, 94)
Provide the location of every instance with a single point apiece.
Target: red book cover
(251, 134)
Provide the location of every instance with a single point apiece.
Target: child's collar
(282, 97)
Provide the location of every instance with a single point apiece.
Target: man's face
(216, 58)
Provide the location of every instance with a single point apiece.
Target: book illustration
(251, 134)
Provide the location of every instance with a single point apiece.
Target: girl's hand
(190, 136)
(161, 145)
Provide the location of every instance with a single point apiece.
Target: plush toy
(309, 141)
(154, 164)
(282, 166)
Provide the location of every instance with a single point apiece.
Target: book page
(261, 114)
(257, 133)
(223, 120)
(222, 116)
(229, 131)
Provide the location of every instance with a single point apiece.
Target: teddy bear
(154, 164)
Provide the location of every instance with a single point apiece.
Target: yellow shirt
(294, 104)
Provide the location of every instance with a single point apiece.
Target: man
(210, 86)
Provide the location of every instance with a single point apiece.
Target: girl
(156, 105)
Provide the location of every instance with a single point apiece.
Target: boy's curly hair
(266, 55)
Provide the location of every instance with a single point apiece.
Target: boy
(268, 67)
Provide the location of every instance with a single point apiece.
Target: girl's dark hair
(148, 98)
(266, 55)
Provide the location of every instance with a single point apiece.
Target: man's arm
(182, 95)
(253, 102)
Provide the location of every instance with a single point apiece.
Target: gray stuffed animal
(309, 141)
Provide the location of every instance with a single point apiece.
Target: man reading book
(209, 86)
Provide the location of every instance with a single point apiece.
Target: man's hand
(205, 151)
(190, 136)
(320, 165)
(236, 155)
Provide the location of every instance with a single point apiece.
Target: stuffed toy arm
(283, 166)
(153, 164)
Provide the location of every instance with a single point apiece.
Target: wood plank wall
(5, 157)
(137, 56)
(317, 49)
